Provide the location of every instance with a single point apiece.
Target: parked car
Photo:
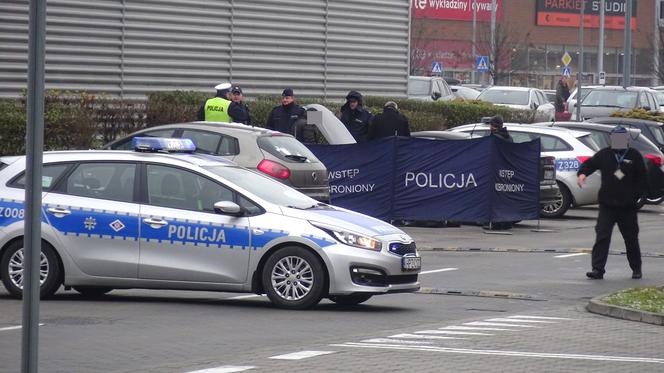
(652, 130)
(522, 99)
(276, 154)
(429, 88)
(465, 93)
(651, 153)
(602, 101)
(550, 95)
(570, 148)
(660, 96)
(548, 187)
(570, 104)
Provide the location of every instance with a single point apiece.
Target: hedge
(78, 120)
(640, 114)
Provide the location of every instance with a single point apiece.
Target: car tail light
(583, 158)
(274, 169)
(654, 158)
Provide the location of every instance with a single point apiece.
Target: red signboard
(567, 13)
(451, 54)
(456, 10)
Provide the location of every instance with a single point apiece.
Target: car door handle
(258, 232)
(155, 223)
(58, 212)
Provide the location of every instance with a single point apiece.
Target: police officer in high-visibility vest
(216, 108)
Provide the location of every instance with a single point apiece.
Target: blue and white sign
(484, 179)
(567, 71)
(482, 63)
(436, 67)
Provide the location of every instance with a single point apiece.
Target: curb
(521, 250)
(597, 306)
(480, 293)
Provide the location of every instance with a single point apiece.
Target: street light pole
(580, 72)
(656, 42)
(33, 186)
(472, 72)
(493, 39)
(627, 59)
(600, 48)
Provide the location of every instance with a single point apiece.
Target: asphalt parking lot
(514, 310)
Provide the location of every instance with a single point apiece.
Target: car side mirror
(436, 95)
(534, 106)
(228, 208)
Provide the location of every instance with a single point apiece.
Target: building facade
(531, 38)
(127, 48)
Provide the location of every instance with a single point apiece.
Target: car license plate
(411, 263)
(548, 175)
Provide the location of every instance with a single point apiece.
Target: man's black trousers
(629, 228)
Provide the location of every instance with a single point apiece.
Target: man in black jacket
(562, 94)
(624, 181)
(238, 110)
(355, 117)
(389, 123)
(497, 128)
(282, 118)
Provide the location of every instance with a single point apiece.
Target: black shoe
(595, 274)
(637, 275)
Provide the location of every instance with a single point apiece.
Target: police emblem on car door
(182, 237)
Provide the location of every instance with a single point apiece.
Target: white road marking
(501, 319)
(450, 332)
(397, 341)
(483, 323)
(454, 327)
(538, 317)
(438, 270)
(247, 296)
(421, 336)
(301, 355)
(225, 369)
(17, 327)
(570, 255)
(626, 359)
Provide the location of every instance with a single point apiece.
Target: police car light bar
(162, 144)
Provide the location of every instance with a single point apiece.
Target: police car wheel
(559, 207)
(293, 278)
(350, 299)
(12, 264)
(92, 291)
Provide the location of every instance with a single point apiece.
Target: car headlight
(350, 238)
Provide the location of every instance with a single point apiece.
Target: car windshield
(417, 87)
(264, 187)
(506, 97)
(286, 148)
(617, 99)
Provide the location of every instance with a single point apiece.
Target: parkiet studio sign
(567, 13)
(483, 179)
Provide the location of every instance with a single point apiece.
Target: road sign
(482, 63)
(566, 59)
(567, 71)
(436, 67)
(602, 78)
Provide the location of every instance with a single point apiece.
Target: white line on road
(421, 336)
(500, 319)
(626, 359)
(450, 332)
(483, 323)
(18, 327)
(538, 317)
(301, 355)
(570, 255)
(454, 327)
(438, 270)
(225, 369)
(396, 341)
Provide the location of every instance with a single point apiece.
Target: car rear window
(50, 174)
(588, 141)
(658, 133)
(286, 148)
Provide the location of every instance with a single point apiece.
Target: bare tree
(509, 55)
(658, 69)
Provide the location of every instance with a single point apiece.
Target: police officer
(355, 117)
(389, 123)
(624, 181)
(283, 117)
(216, 108)
(238, 110)
(497, 128)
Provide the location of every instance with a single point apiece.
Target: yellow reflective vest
(216, 110)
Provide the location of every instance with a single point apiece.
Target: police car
(163, 220)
